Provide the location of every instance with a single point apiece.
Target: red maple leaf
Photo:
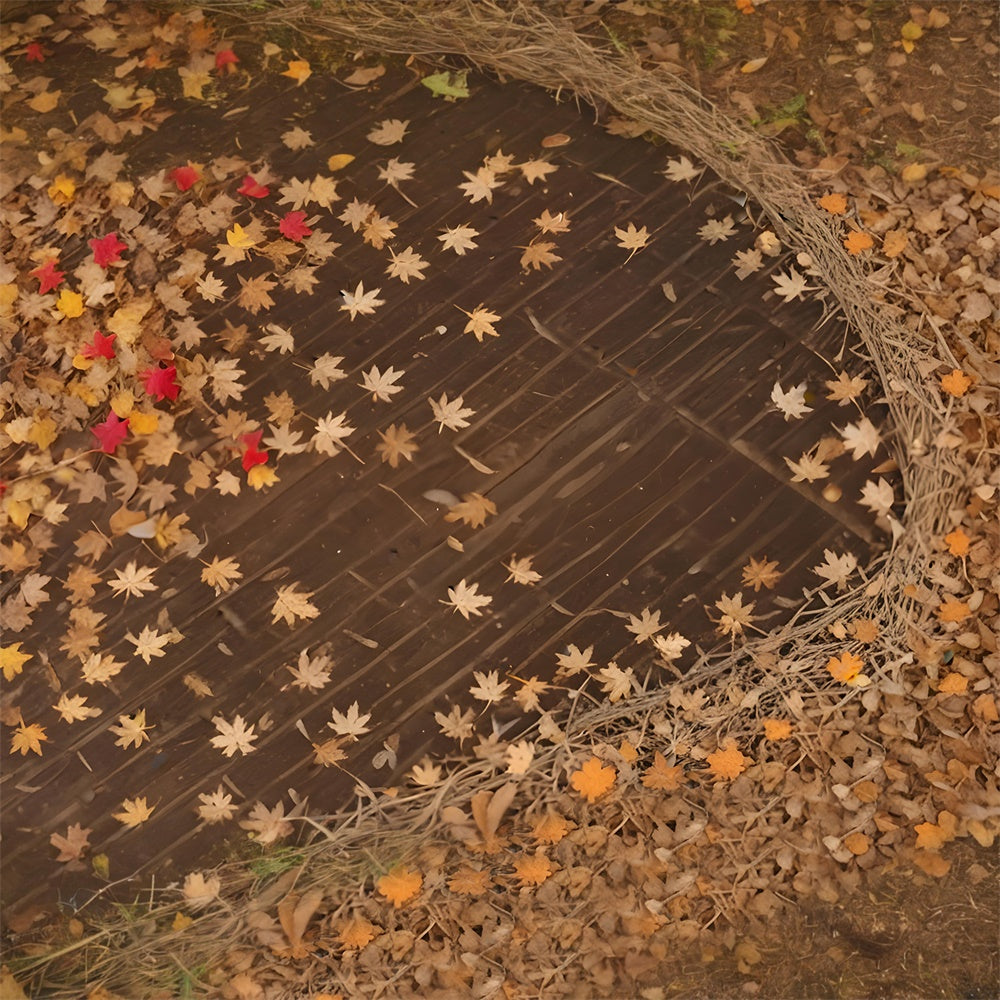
(252, 189)
(48, 277)
(102, 347)
(111, 433)
(107, 250)
(161, 383)
(184, 177)
(293, 225)
(34, 53)
(225, 61)
(252, 456)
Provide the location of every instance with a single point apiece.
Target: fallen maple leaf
(27, 738)
(469, 881)
(846, 668)
(252, 189)
(520, 571)
(399, 885)
(298, 70)
(397, 442)
(957, 541)
(388, 132)
(352, 724)
(233, 736)
(645, 627)
(734, 616)
(480, 323)
(861, 438)
(473, 510)
(450, 414)
(457, 238)
(360, 301)
(632, 239)
(293, 226)
(663, 776)
(835, 203)
(47, 275)
(107, 250)
(292, 604)
(185, 177)
(760, 573)
(221, 574)
(727, 762)
(836, 569)
(488, 687)
(149, 643)
(846, 388)
(537, 254)
(134, 812)
(593, 779)
(12, 660)
(267, 825)
(464, 599)
(199, 891)
(131, 730)
(72, 846)
(532, 869)
(956, 382)
(857, 242)
(216, 806)
(792, 403)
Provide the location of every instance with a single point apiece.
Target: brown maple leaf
(472, 510)
(537, 254)
(396, 443)
(254, 293)
(761, 573)
(72, 846)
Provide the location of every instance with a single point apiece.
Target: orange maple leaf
(953, 611)
(533, 869)
(956, 382)
(399, 885)
(662, 775)
(356, 932)
(958, 543)
(835, 203)
(857, 843)
(857, 242)
(727, 762)
(469, 881)
(593, 779)
(845, 668)
(551, 828)
(777, 729)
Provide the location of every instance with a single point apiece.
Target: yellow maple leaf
(292, 603)
(399, 885)
(662, 775)
(181, 922)
(27, 738)
(473, 510)
(956, 382)
(593, 779)
(62, 190)
(298, 70)
(70, 303)
(12, 660)
(134, 812)
(239, 237)
(143, 423)
(857, 242)
(262, 475)
(727, 762)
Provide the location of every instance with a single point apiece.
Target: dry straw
(524, 41)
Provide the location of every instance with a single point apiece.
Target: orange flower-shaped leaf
(953, 611)
(399, 885)
(727, 762)
(956, 382)
(469, 881)
(533, 869)
(857, 242)
(593, 779)
(777, 729)
(958, 543)
(835, 203)
(551, 828)
(356, 932)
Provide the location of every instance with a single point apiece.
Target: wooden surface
(640, 465)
